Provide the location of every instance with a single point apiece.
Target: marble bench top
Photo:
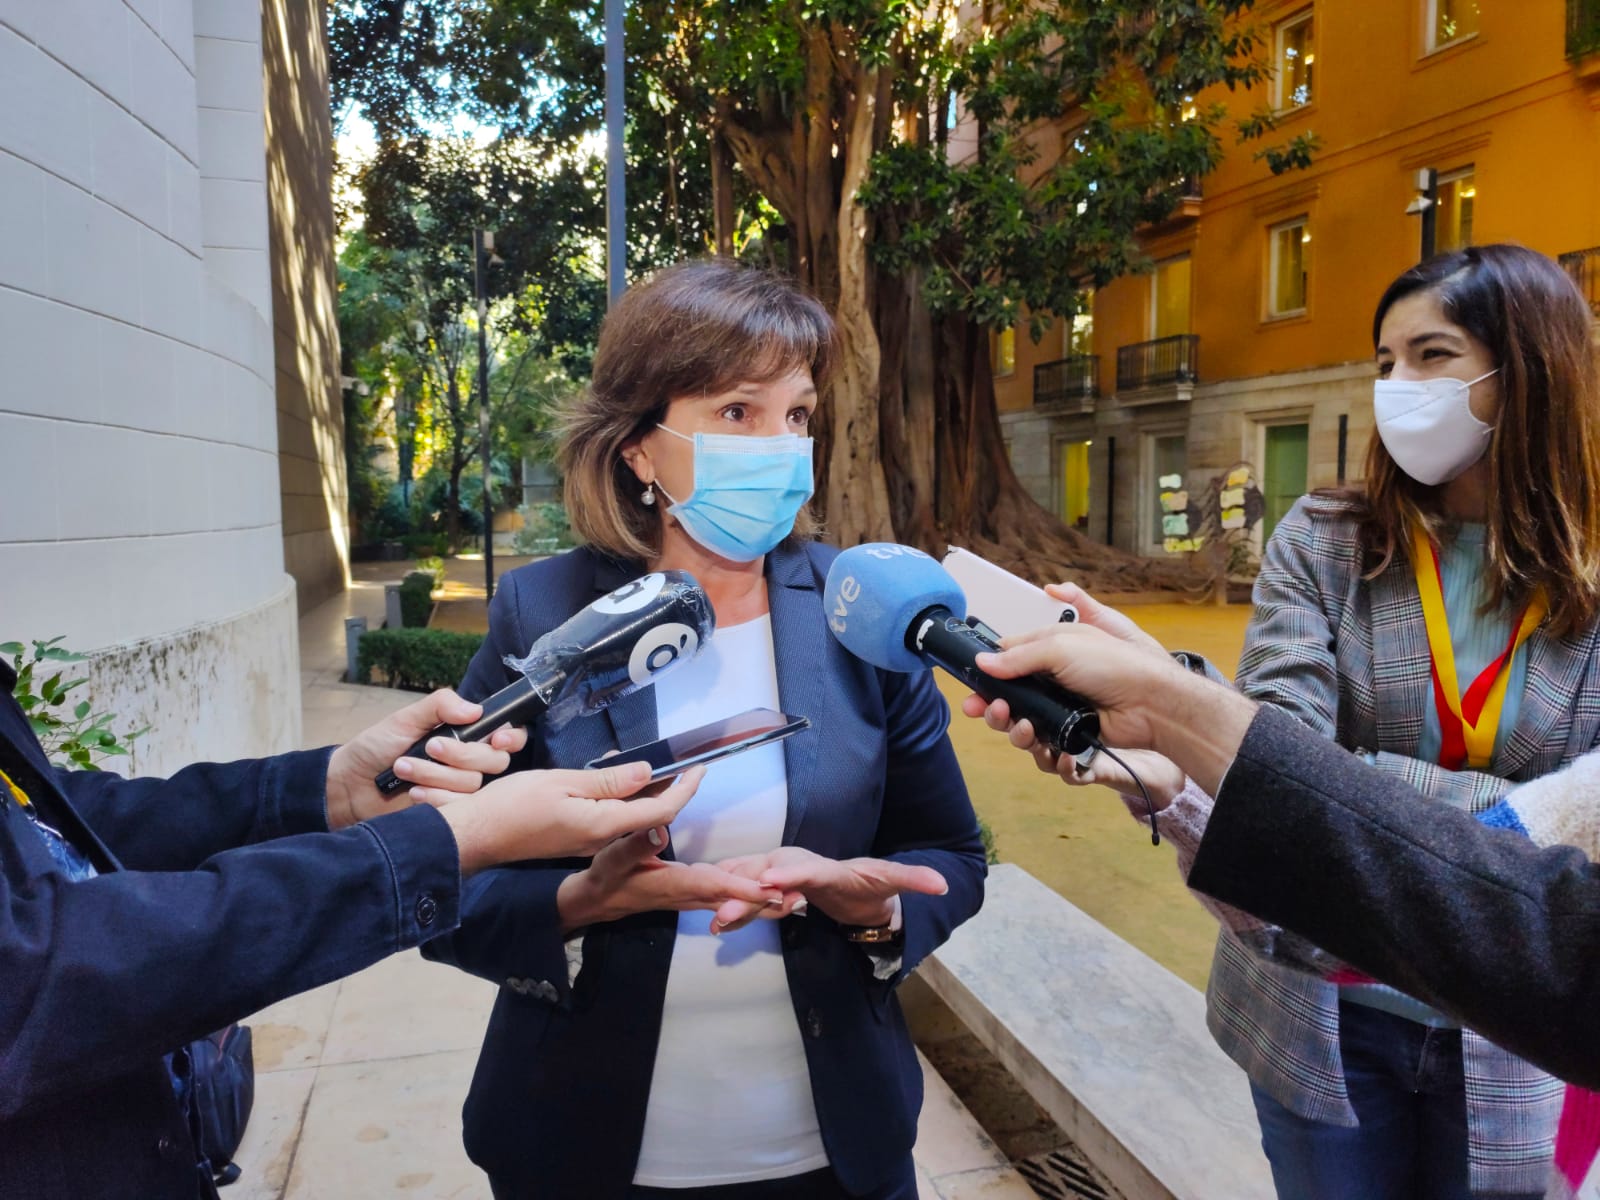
(1109, 1042)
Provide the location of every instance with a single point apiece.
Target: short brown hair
(1544, 457)
(698, 327)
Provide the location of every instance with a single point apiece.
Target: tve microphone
(900, 610)
(622, 642)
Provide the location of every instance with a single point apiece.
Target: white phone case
(1004, 602)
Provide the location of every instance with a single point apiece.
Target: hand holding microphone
(619, 644)
(898, 609)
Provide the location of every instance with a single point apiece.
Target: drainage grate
(1064, 1175)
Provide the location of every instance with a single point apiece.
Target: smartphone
(1006, 603)
(732, 735)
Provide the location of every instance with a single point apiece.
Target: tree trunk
(722, 215)
(857, 495)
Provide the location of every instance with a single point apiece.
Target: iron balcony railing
(1583, 28)
(1584, 267)
(1075, 378)
(1166, 360)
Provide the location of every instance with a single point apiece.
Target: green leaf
(11, 648)
(82, 710)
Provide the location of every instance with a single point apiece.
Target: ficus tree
(931, 171)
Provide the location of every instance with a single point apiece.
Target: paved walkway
(359, 1084)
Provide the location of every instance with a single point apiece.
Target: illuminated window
(1288, 267)
(1297, 61)
(1457, 193)
(1450, 21)
(1169, 297)
(1004, 348)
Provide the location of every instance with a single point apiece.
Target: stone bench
(1109, 1043)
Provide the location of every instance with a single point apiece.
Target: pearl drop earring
(649, 496)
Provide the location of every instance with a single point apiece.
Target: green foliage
(71, 734)
(1001, 229)
(418, 660)
(416, 599)
(991, 855)
(434, 566)
(545, 529)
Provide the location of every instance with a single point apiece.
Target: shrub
(419, 545)
(990, 853)
(416, 599)
(419, 660)
(545, 529)
(433, 565)
(72, 734)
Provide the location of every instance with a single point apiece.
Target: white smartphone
(1006, 603)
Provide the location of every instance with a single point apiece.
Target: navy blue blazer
(557, 1105)
(181, 934)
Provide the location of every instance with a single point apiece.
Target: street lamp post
(483, 247)
(616, 162)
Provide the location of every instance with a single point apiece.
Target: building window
(1168, 461)
(1450, 21)
(1003, 350)
(1457, 193)
(1288, 267)
(1296, 62)
(1074, 482)
(1077, 335)
(1169, 297)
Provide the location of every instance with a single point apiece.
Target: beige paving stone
(926, 1188)
(991, 1183)
(949, 1140)
(387, 1129)
(406, 1006)
(270, 1140)
(290, 1034)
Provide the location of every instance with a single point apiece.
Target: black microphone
(622, 642)
(900, 610)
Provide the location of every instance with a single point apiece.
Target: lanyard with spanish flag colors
(1468, 722)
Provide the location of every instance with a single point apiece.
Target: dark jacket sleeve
(927, 815)
(104, 975)
(1477, 921)
(204, 809)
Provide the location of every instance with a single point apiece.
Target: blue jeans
(1405, 1083)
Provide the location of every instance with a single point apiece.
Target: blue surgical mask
(747, 491)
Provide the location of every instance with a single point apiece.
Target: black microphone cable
(1149, 804)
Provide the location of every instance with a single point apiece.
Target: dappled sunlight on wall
(304, 297)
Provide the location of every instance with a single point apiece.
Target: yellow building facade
(1251, 338)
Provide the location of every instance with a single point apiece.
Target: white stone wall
(138, 438)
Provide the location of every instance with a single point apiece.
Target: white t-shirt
(730, 1100)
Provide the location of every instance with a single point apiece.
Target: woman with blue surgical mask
(1442, 621)
(708, 1012)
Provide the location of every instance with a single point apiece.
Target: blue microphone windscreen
(874, 592)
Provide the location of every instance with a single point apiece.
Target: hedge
(416, 599)
(419, 660)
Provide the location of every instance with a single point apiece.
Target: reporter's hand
(1163, 777)
(853, 891)
(1124, 677)
(561, 814)
(629, 876)
(461, 766)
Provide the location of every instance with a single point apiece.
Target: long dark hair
(1544, 457)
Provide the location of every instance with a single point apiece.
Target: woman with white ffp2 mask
(1441, 621)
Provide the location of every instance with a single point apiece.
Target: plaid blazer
(1349, 657)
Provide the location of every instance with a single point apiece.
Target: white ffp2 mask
(1428, 427)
